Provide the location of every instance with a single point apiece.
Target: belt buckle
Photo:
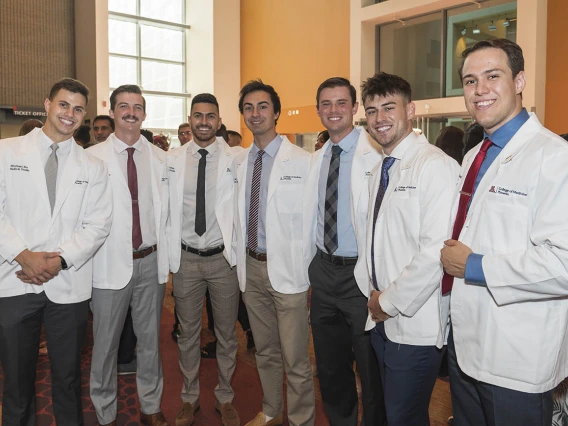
(202, 253)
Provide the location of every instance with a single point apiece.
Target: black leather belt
(255, 255)
(141, 254)
(337, 260)
(204, 253)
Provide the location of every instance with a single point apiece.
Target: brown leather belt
(204, 253)
(141, 254)
(255, 255)
(337, 260)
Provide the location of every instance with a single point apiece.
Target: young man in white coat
(337, 200)
(507, 260)
(200, 232)
(55, 212)
(409, 214)
(132, 266)
(270, 181)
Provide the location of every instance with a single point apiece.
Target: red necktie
(465, 196)
(133, 186)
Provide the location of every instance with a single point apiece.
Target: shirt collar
(505, 133)
(347, 142)
(194, 148)
(46, 142)
(120, 146)
(271, 149)
(399, 151)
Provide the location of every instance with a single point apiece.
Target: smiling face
(259, 115)
(389, 120)
(64, 115)
(205, 122)
(128, 114)
(336, 110)
(492, 95)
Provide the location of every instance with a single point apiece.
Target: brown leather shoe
(229, 416)
(260, 420)
(186, 416)
(156, 419)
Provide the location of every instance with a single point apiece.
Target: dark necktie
(133, 187)
(383, 185)
(254, 202)
(200, 221)
(331, 200)
(465, 197)
(51, 174)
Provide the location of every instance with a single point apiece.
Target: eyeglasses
(188, 133)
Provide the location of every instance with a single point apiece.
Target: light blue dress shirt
(267, 161)
(346, 242)
(473, 267)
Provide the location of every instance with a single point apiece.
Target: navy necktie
(200, 221)
(387, 164)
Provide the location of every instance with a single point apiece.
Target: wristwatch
(63, 264)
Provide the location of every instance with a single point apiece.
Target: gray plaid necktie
(254, 203)
(51, 175)
(331, 197)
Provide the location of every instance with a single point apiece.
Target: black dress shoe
(209, 350)
(250, 339)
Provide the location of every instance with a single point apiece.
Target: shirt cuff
(474, 270)
(387, 307)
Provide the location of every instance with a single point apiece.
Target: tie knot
(130, 151)
(486, 145)
(54, 147)
(260, 153)
(387, 163)
(336, 150)
(203, 152)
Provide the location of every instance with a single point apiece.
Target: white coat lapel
(280, 162)
(113, 166)
(241, 174)
(180, 164)
(157, 173)
(70, 174)
(360, 172)
(31, 155)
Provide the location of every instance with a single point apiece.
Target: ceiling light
(476, 30)
(464, 31)
(506, 23)
(492, 26)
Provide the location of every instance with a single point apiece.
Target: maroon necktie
(133, 186)
(465, 196)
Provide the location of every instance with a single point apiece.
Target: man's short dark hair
(332, 82)
(512, 50)
(256, 86)
(205, 98)
(147, 134)
(182, 125)
(383, 84)
(83, 134)
(234, 133)
(71, 85)
(104, 117)
(126, 88)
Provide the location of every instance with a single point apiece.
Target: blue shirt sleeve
(474, 270)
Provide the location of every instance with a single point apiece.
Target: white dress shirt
(145, 201)
(212, 236)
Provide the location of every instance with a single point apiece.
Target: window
(147, 47)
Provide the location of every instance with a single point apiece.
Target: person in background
(235, 138)
(103, 126)
(472, 136)
(321, 140)
(450, 140)
(148, 135)
(29, 125)
(184, 133)
(83, 136)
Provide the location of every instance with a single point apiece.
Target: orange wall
(556, 66)
(294, 45)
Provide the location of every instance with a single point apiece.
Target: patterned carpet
(248, 394)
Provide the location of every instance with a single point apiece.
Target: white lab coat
(367, 156)
(80, 222)
(410, 231)
(287, 261)
(513, 333)
(113, 262)
(177, 161)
